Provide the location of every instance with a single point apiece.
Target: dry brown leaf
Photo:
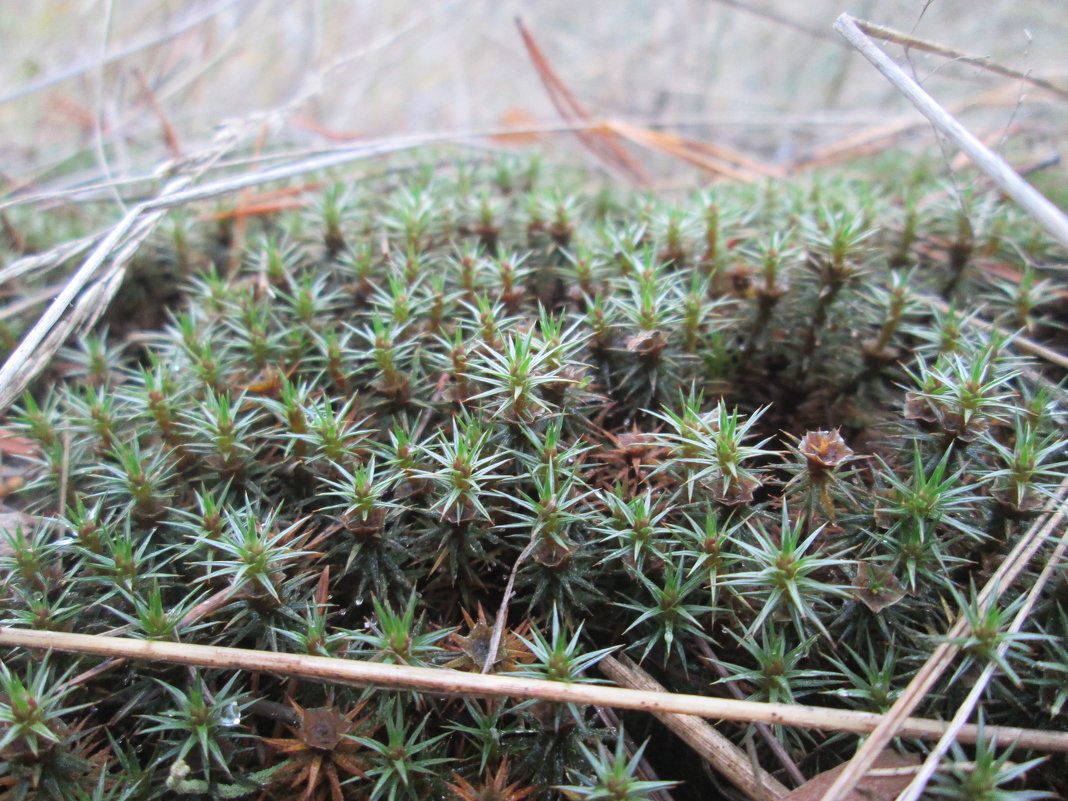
(16, 445)
(869, 788)
(519, 119)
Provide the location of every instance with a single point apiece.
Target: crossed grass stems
(337, 452)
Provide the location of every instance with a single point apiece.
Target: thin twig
(943, 655)
(717, 750)
(1048, 215)
(984, 62)
(781, 19)
(710, 659)
(455, 682)
(122, 52)
(502, 610)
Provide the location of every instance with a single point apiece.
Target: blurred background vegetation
(129, 83)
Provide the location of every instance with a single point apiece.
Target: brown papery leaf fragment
(877, 587)
(869, 788)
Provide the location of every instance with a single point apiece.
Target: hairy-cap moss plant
(557, 657)
(493, 785)
(393, 637)
(43, 755)
(732, 418)
(615, 776)
(665, 607)
(402, 763)
(785, 573)
(984, 777)
(635, 524)
(200, 723)
(32, 708)
(322, 753)
(871, 677)
(987, 639)
(817, 480)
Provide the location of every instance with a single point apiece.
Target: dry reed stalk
(727, 758)
(1045, 213)
(891, 724)
(454, 682)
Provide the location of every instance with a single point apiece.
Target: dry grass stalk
(892, 722)
(454, 682)
(730, 760)
(1019, 341)
(502, 609)
(776, 747)
(49, 259)
(876, 138)
(189, 22)
(930, 765)
(711, 158)
(1045, 213)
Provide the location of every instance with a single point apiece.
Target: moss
(415, 388)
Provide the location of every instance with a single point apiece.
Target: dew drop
(229, 716)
